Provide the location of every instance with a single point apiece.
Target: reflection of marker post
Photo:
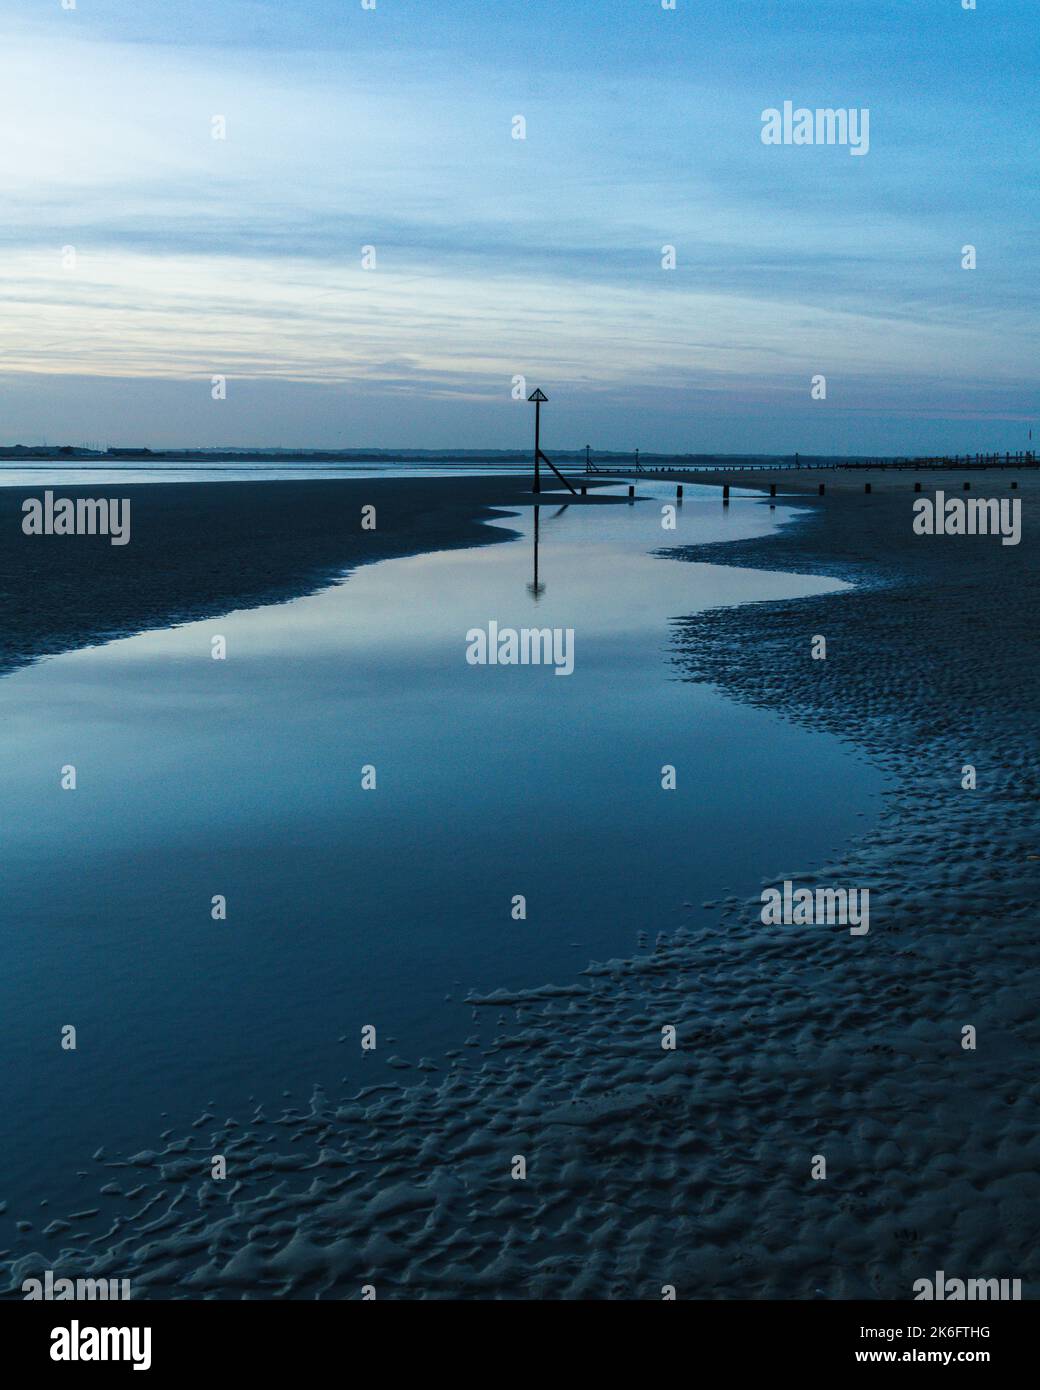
(536, 589)
(538, 395)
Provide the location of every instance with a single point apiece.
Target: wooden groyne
(1026, 459)
(1020, 460)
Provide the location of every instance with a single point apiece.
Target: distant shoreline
(24, 453)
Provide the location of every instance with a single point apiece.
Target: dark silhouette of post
(538, 396)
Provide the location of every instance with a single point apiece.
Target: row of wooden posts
(538, 397)
(772, 490)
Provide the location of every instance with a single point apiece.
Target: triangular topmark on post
(538, 395)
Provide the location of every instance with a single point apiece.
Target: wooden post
(631, 491)
(537, 396)
(725, 492)
(772, 489)
(917, 487)
(678, 493)
(821, 489)
(866, 487)
(967, 487)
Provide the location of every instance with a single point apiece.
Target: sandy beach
(518, 676)
(199, 549)
(692, 1168)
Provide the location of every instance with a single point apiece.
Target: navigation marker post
(538, 396)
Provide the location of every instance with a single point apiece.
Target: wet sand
(691, 1168)
(200, 549)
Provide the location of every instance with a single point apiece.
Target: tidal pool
(242, 779)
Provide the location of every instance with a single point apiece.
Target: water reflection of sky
(347, 907)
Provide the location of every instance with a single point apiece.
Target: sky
(140, 257)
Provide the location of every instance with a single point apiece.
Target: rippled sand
(691, 1168)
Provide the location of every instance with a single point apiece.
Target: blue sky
(498, 257)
